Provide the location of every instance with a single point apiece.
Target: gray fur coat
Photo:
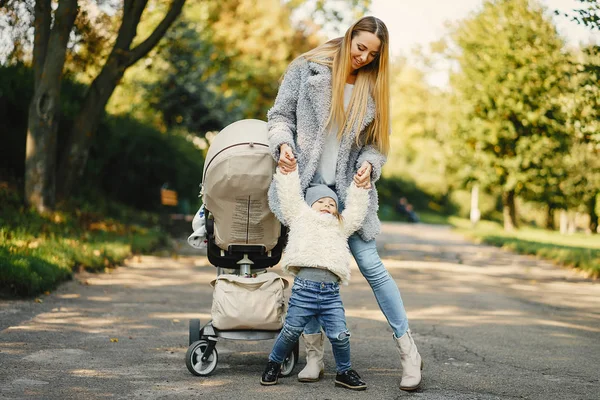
(298, 118)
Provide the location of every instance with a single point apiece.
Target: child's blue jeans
(320, 300)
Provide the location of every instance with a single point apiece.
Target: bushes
(33, 265)
(26, 275)
(16, 90)
(128, 162)
(390, 189)
(38, 251)
(15, 93)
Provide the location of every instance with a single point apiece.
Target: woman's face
(364, 49)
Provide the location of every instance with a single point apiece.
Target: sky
(419, 22)
(416, 23)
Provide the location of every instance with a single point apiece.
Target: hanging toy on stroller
(244, 239)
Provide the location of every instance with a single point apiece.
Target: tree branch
(42, 19)
(589, 16)
(119, 55)
(132, 12)
(56, 48)
(144, 48)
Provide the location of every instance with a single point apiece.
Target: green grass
(578, 250)
(39, 251)
(428, 217)
(387, 213)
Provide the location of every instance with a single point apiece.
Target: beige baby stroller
(243, 240)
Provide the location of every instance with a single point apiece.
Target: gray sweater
(298, 118)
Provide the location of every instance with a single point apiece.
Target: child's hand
(362, 179)
(287, 162)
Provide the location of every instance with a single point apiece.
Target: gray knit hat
(316, 192)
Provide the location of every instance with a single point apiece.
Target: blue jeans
(385, 289)
(320, 301)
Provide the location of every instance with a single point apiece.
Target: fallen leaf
(39, 300)
(175, 320)
(114, 340)
(47, 293)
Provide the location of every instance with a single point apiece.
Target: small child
(317, 254)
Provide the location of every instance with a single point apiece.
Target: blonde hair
(372, 79)
(339, 216)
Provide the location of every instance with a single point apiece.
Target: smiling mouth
(356, 62)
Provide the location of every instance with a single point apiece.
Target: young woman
(317, 254)
(331, 119)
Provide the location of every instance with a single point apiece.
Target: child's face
(325, 205)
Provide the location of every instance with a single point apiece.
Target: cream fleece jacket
(318, 240)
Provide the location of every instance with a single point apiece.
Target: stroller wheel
(290, 362)
(194, 331)
(193, 359)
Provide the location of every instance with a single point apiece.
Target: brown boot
(410, 360)
(314, 358)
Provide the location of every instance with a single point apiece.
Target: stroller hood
(237, 174)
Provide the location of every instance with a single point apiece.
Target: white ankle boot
(410, 360)
(314, 358)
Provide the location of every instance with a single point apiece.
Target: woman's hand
(287, 161)
(362, 179)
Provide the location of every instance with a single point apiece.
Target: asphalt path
(489, 325)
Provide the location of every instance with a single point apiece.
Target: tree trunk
(121, 57)
(564, 222)
(593, 216)
(44, 109)
(41, 23)
(475, 214)
(550, 217)
(79, 141)
(509, 210)
(40, 153)
(572, 223)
